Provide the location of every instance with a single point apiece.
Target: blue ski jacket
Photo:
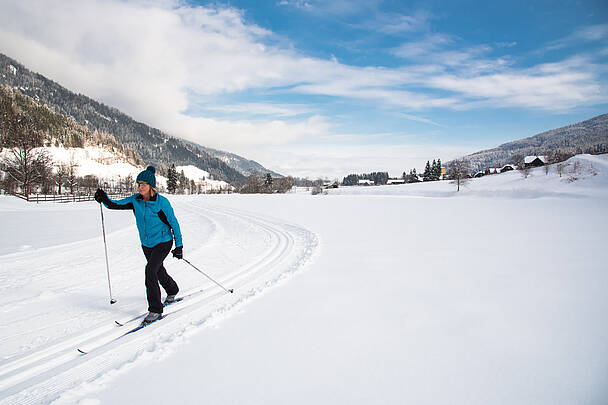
(155, 219)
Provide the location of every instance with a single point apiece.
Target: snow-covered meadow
(386, 295)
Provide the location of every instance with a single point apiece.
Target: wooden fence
(65, 198)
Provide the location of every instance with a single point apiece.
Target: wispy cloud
(395, 24)
(263, 109)
(591, 33)
(553, 86)
(423, 47)
(412, 117)
(333, 8)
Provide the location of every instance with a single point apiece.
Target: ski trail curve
(256, 253)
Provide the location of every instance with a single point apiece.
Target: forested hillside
(152, 145)
(590, 136)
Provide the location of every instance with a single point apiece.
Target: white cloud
(395, 24)
(334, 7)
(264, 109)
(552, 86)
(591, 33)
(424, 47)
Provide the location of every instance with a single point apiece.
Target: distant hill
(152, 145)
(245, 166)
(590, 136)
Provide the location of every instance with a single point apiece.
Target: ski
(135, 329)
(164, 306)
(139, 326)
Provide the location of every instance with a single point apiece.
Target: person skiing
(157, 228)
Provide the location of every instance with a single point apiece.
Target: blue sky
(317, 88)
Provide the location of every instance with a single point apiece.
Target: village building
(366, 182)
(535, 161)
(395, 181)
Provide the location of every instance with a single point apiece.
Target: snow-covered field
(385, 295)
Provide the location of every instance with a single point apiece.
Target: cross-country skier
(157, 227)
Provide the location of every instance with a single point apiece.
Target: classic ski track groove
(60, 367)
(42, 355)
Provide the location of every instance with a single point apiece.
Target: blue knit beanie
(148, 176)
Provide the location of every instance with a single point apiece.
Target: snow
(202, 177)
(380, 294)
(193, 172)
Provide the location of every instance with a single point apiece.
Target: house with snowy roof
(366, 182)
(535, 161)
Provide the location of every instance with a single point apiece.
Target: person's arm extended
(124, 204)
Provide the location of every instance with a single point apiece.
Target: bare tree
(459, 172)
(560, 168)
(90, 182)
(72, 176)
(44, 165)
(284, 184)
(25, 165)
(60, 176)
(253, 185)
(518, 160)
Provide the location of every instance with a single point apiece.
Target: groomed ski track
(241, 250)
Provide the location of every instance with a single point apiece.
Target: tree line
(258, 184)
(379, 178)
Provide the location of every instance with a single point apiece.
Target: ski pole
(105, 245)
(230, 291)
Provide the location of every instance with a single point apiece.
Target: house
(535, 161)
(506, 168)
(366, 182)
(395, 181)
(331, 185)
(479, 174)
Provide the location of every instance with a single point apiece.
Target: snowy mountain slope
(589, 136)
(154, 146)
(412, 294)
(245, 166)
(203, 178)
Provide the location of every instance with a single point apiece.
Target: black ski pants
(156, 273)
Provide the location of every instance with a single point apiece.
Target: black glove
(178, 252)
(101, 196)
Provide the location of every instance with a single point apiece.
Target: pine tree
(172, 179)
(438, 169)
(182, 182)
(427, 172)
